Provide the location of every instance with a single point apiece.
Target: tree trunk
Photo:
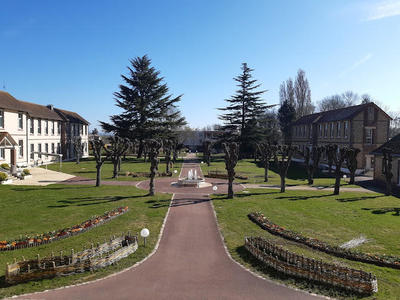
(115, 170)
(140, 150)
(77, 159)
(167, 166)
(352, 177)
(151, 185)
(98, 174)
(310, 175)
(337, 182)
(266, 167)
(230, 187)
(283, 183)
(388, 186)
(119, 164)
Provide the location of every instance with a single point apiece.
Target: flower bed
(296, 265)
(376, 259)
(49, 237)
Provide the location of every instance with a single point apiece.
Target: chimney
(50, 106)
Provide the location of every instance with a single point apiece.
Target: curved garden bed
(52, 236)
(376, 259)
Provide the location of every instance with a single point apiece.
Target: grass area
(32, 210)
(334, 219)
(87, 168)
(297, 174)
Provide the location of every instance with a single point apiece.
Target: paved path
(190, 263)
(43, 177)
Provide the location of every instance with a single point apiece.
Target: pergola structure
(7, 142)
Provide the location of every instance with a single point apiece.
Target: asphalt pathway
(190, 263)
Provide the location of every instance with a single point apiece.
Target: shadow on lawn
(85, 201)
(41, 188)
(384, 210)
(353, 199)
(305, 284)
(297, 198)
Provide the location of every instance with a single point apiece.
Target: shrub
(26, 172)
(3, 176)
(5, 166)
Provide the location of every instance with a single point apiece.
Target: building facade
(394, 146)
(33, 134)
(364, 126)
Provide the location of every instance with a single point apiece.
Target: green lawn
(87, 168)
(296, 175)
(334, 219)
(34, 210)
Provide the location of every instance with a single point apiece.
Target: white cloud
(358, 63)
(384, 9)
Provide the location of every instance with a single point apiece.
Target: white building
(33, 134)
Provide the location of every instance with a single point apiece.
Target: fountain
(192, 179)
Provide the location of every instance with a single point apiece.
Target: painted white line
(114, 274)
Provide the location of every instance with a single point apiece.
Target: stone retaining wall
(89, 259)
(295, 265)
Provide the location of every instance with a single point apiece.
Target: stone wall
(292, 264)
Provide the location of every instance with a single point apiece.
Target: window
(46, 149)
(59, 127)
(345, 129)
(40, 150)
(52, 128)
(1, 119)
(81, 129)
(320, 129)
(310, 131)
(53, 149)
(20, 121)
(332, 129)
(2, 153)
(39, 128)
(21, 148)
(32, 150)
(58, 148)
(46, 128)
(86, 129)
(338, 129)
(32, 126)
(326, 130)
(369, 136)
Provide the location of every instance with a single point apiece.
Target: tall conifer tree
(148, 110)
(242, 112)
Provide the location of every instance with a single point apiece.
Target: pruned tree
(387, 169)
(153, 147)
(118, 148)
(312, 157)
(266, 152)
(283, 158)
(78, 148)
(231, 157)
(167, 147)
(338, 157)
(351, 162)
(98, 147)
(207, 151)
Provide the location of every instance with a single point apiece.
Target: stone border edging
(293, 264)
(113, 274)
(379, 260)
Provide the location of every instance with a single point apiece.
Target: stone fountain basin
(190, 182)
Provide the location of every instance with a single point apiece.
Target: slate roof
(340, 114)
(393, 144)
(39, 111)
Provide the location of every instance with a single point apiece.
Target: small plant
(5, 166)
(3, 176)
(26, 172)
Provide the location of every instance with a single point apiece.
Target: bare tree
(267, 152)
(98, 147)
(338, 157)
(283, 158)
(350, 98)
(351, 162)
(387, 169)
(303, 95)
(207, 151)
(286, 92)
(78, 148)
(231, 158)
(312, 157)
(153, 147)
(118, 148)
(167, 147)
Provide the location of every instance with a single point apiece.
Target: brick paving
(190, 263)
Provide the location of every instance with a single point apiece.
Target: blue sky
(71, 53)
